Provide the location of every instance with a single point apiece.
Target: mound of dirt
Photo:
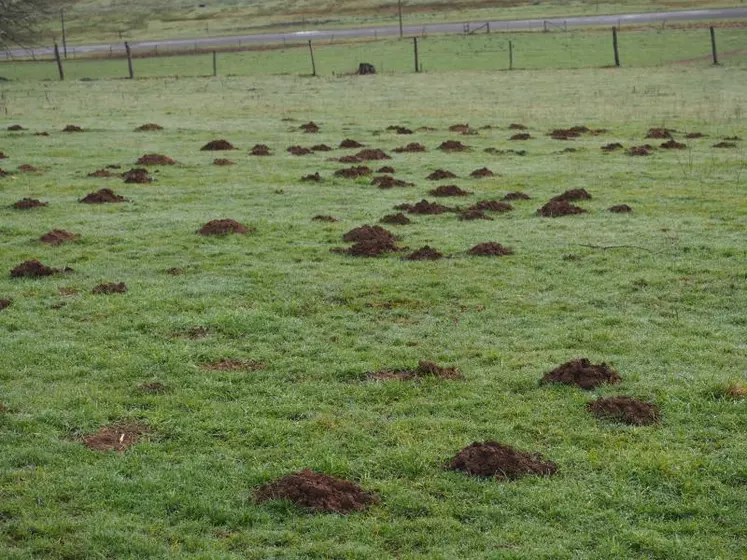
(399, 129)
(564, 134)
(148, 127)
(368, 233)
(348, 143)
(573, 194)
(32, 269)
(310, 127)
(372, 248)
(223, 227)
(495, 460)
(556, 208)
(108, 288)
(693, 135)
(516, 126)
(117, 437)
(425, 369)
(313, 178)
(425, 207)
(72, 128)
(137, 175)
(582, 373)
(41, 133)
(388, 182)
(156, 159)
(260, 150)
(612, 147)
(228, 364)
(27, 203)
(620, 209)
(353, 172)
(3, 173)
(474, 214)
(453, 146)
(725, 145)
(496, 151)
(223, 162)
(492, 206)
(462, 128)
(625, 409)
(317, 492)
(299, 151)
(102, 196)
(449, 190)
(660, 133)
(521, 136)
(489, 249)
(640, 150)
(372, 155)
(517, 195)
(320, 218)
(386, 169)
(673, 145)
(348, 159)
(15, 128)
(5, 303)
(482, 172)
(26, 168)
(440, 174)
(425, 253)
(101, 173)
(216, 145)
(57, 237)
(395, 219)
(320, 148)
(411, 147)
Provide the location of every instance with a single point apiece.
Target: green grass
(667, 312)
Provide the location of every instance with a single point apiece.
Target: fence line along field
(439, 315)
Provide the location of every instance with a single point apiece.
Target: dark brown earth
(725, 145)
(148, 127)
(353, 172)
(27, 203)
(388, 182)
(15, 128)
(3, 173)
(175, 271)
(521, 136)
(395, 219)
(582, 373)
(57, 237)
(425, 207)
(154, 387)
(313, 178)
(425, 253)
(449, 190)
(320, 148)
(72, 128)
(372, 155)
(3, 156)
(659, 133)
(41, 133)
(573, 194)
(101, 173)
(440, 174)
(612, 147)
(453, 146)
(736, 390)
(216, 145)
(482, 172)
(462, 128)
(348, 159)
(673, 145)
(386, 169)
(495, 460)
(517, 195)
(496, 151)
(32, 269)
(693, 135)
(101, 196)
(399, 129)
(223, 227)
(299, 151)
(425, 369)
(108, 288)
(556, 208)
(516, 126)
(223, 162)
(372, 248)
(474, 214)
(156, 159)
(564, 134)
(228, 364)
(492, 206)
(310, 127)
(5, 303)
(260, 150)
(368, 233)
(26, 168)
(625, 409)
(321, 218)
(620, 208)
(137, 175)
(348, 143)
(640, 151)
(117, 437)
(317, 492)
(490, 249)
(732, 138)
(411, 147)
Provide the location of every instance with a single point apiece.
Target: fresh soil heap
(137, 175)
(494, 460)
(725, 145)
(27, 203)
(694, 135)
(222, 162)
(620, 209)
(310, 127)
(368, 233)
(625, 409)
(108, 288)
(425, 253)
(320, 218)
(371, 248)
(5, 303)
(102, 196)
(659, 133)
(564, 134)
(353, 172)
(582, 373)
(412, 147)
(101, 173)
(317, 492)
(117, 437)
(489, 249)
(482, 172)
(216, 145)
(260, 150)
(474, 214)
(386, 169)
(425, 207)
(313, 178)
(556, 208)
(501, 152)
(453, 146)
(440, 174)
(395, 219)
(521, 136)
(388, 182)
(26, 168)
(41, 133)
(644, 150)
(399, 129)
(57, 237)
(148, 127)
(612, 147)
(321, 148)
(461, 128)
(673, 145)
(516, 126)
(492, 206)
(573, 194)
(32, 269)
(223, 227)
(348, 143)
(425, 369)
(517, 195)
(372, 155)
(349, 159)
(15, 128)
(299, 151)
(72, 128)
(156, 159)
(449, 190)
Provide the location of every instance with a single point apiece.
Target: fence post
(215, 64)
(129, 60)
(510, 55)
(488, 26)
(713, 46)
(59, 62)
(415, 47)
(544, 24)
(313, 64)
(614, 46)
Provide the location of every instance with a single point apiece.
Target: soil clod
(517, 195)
(516, 126)
(556, 208)
(101, 173)
(222, 162)
(299, 151)
(386, 169)
(15, 128)
(312, 178)
(28, 203)
(521, 136)
(694, 135)
(612, 147)
(26, 168)
(58, 237)
(412, 147)
(474, 214)
(625, 409)
(5, 303)
(216, 145)
(495, 460)
(310, 127)
(148, 127)
(108, 288)
(320, 148)
(156, 159)
(102, 196)
(492, 206)
(388, 182)
(260, 150)
(353, 172)
(573, 194)
(490, 249)
(725, 145)
(368, 233)
(137, 175)
(640, 150)
(322, 218)
(72, 128)
(372, 155)
(395, 219)
(582, 373)
(117, 437)
(659, 133)
(425, 207)
(32, 269)
(348, 143)
(620, 209)
(425, 253)
(223, 227)
(673, 145)
(482, 172)
(453, 146)
(372, 248)
(449, 190)
(440, 174)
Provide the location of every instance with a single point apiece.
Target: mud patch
(310, 127)
(395, 219)
(492, 206)
(155, 159)
(299, 151)
(117, 437)
(453, 146)
(556, 208)
(223, 227)
(353, 172)
(322, 218)
(148, 127)
(72, 128)
(425, 253)
(58, 237)
(517, 195)
(372, 155)
(440, 174)
(137, 175)
(620, 209)
(33, 269)
(28, 203)
(494, 460)
(368, 233)
(227, 364)
(260, 150)
(102, 196)
(108, 288)
(449, 190)
(217, 145)
(221, 162)
(312, 178)
(612, 147)
(424, 370)
(626, 410)
(413, 147)
(521, 136)
(388, 182)
(349, 144)
(673, 145)
(582, 373)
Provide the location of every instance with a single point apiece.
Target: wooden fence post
(510, 55)
(415, 47)
(215, 64)
(129, 60)
(713, 46)
(614, 46)
(313, 64)
(59, 62)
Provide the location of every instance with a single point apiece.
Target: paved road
(393, 30)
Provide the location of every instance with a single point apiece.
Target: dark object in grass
(5, 303)
(28, 203)
(371, 248)
(310, 127)
(489, 249)
(260, 150)
(117, 437)
(32, 269)
(102, 196)
(223, 227)
(625, 409)
(388, 182)
(299, 151)
(399, 129)
(148, 127)
(317, 492)
(155, 159)
(222, 162)
(3, 173)
(353, 172)
(482, 172)
(108, 288)
(386, 169)
(425, 369)
(57, 237)
(137, 175)
(175, 271)
(640, 150)
(101, 173)
(517, 195)
(320, 148)
(725, 145)
(425, 253)
(461, 128)
(492, 206)
(395, 219)
(573, 194)
(228, 364)
(474, 214)
(26, 168)
(349, 159)
(693, 135)
(565, 134)
(612, 147)
(154, 387)
(72, 128)
(15, 128)
(372, 155)
(556, 208)
(494, 460)
(413, 147)
(425, 207)
(321, 218)
(449, 190)
(582, 373)
(217, 145)
(673, 145)
(453, 146)
(516, 126)
(659, 133)
(620, 209)
(368, 233)
(440, 174)
(313, 178)
(521, 136)
(348, 143)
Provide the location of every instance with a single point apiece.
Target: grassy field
(658, 294)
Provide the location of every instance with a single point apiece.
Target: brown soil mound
(15, 128)
(3, 156)
(223, 227)
(386, 169)
(640, 151)
(368, 233)
(156, 159)
(348, 143)
(155, 387)
(215, 145)
(573, 194)
(474, 214)
(388, 182)
(148, 127)
(620, 209)
(58, 237)
(260, 150)
(492, 206)
(556, 208)
(725, 145)
(693, 135)
(489, 249)
(41, 133)
(580, 129)
(3, 173)
(582, 373)
(26, 203)
(321, 148)
(313, 178)
(353, 172)
(372, 155)
(395, 219)
(659, 133)
(732, 138)
(310, 127)
(349, 159)
(440, 174)
(564, 134)
(317, 492)
(459, 128)
(495, 460)
(449, 190)
(32, 269)
(517, 195)
(5, 303)
(424, 369)
(625, 409)
(516, 126)
(612, 147)
(299, 151)
(411, 147)
(399, 129)
(26, 168)
(227, 364)
(320, 218)
(223, 162)
(453, 146)
(425, 207)
(137, 175)
(673, 145)
(117, 437)
(72, 128)
(425, 253)
(372, 248)
(102, 196)
(101, 173)
(482, 172)
(521, 136)
(108, 288)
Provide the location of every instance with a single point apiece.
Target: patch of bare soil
(625, 409)
(660, 133)
(155, 388)
(673, 145)
(222, 162)
(223, 227)
(521, 136)
(137, 175)
(573, 194)
(348, 159)
(299, 151)
(317, 492)
(58, 237)
(32, 269)
(312, 178)
(102, 196)
(736, 390)
(155, 159)
(644, 150)
(15, 128)
(399, 129)
(492, 206)
(321, 218)
(516, 126)
(386, 169)
(453, 146)
(474, 214)
(353, 172)
(310, 127)
(372, 155)
(425, 369)
(395, 219)
(725, 145)
(620, 209)
(495, 460)
(425, 253)
(72, 128)
(425, 207)
(582, 373)
(489, 249)
(348, 143)
(564, 134)
(101, 173)
(461, 128)
(412, 147)
(41, 133)
(368, 233)
(482, 172)
(216, 145)
(388, 182)
(260, 150)
(28, 203)
(175, 271)
(117, 437)
(148, 127)
(449, 190)
(612, 147)
(108, 288)
(320, 148)
(556, 208)
(26, 168)
(5, 303)
(694, 135)
(517, 195)
(371, 248)
(440, 174)
(227, 364)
